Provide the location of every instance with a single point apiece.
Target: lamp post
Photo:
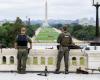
(96, 3)
(96, 42)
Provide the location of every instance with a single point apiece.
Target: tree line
(8, 31)
(81, 32)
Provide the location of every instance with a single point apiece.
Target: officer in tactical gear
(65, 40)
(21, 43)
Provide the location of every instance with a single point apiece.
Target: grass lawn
(47, 34)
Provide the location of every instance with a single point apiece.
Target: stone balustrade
(39, 58)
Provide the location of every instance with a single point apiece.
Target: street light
(96, 3)
(96, 42)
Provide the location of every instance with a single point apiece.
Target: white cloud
(58, 9)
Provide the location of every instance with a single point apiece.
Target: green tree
(8, 31)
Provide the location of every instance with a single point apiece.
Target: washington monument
(45, 23)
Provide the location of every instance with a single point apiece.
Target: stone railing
(39, 58)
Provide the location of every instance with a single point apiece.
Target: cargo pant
(22, 58)
(63, 52)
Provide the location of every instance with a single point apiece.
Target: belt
(22, 47)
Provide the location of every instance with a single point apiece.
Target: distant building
(2, 22)
(5, 21)
(86, 21)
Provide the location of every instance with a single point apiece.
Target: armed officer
(65, 40)
(21, 43)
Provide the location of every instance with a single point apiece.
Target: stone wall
(39, 58)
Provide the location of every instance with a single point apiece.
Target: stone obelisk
(46, 11)
(45, 24)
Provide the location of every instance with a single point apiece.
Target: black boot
(18, 71)
(23, 71)
(57, 71)
(66, 72)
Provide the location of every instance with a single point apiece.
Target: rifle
(45, 72)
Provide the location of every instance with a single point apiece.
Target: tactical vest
(66, 40)
(22, 40)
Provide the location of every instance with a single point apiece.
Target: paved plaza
(51, 76)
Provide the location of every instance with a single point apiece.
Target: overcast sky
(57, 9)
